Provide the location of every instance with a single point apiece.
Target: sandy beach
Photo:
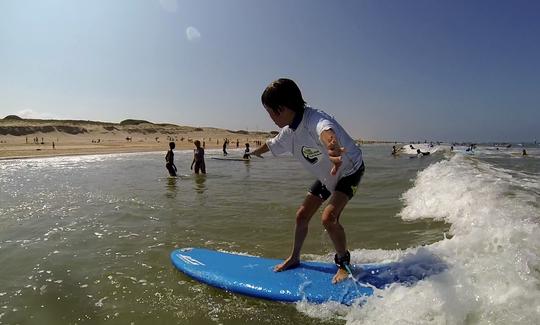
(27, 138)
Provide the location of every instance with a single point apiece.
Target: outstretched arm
(259, 151)
(335, 150)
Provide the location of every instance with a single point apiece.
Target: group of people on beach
(246, 151)
(419, 153)
(198, 164)
(470, 149)
(324, 148)
(198, 159)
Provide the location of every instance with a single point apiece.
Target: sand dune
(24, 138)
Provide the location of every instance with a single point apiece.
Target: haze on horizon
(387, 70)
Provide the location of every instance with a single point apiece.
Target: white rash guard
(305, 144)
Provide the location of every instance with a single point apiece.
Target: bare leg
(308, 208)
(330, 221)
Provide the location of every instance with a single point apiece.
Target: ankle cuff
(341, 261)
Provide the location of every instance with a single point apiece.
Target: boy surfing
(325, 149)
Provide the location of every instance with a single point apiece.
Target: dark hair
(172, 145)
(283, 92)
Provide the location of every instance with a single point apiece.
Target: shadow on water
(200, 183)
(172, 189)
(410, 269)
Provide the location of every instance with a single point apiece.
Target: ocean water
(86, 239)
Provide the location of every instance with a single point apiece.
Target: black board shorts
(346, 185)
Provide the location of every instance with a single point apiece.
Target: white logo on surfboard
(189, 260)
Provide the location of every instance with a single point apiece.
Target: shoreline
(26, 139)
(31, 151)
(30, 138)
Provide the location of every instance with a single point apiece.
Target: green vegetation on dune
(12, 117)
(134, 122)
(17, 126)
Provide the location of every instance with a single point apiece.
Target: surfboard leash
(344, 262)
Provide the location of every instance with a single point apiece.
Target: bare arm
(335, 150)
(259, 151)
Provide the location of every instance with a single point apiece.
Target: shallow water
(87, 239)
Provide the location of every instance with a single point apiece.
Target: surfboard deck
(312, 281)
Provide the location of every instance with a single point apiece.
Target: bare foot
(341, 275)
(289, 263)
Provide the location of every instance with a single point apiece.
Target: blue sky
(392, 70)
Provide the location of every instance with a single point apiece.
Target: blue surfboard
(311, 281)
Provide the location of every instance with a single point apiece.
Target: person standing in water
(198, 158)
(225, 143)
(246, 152)
(325, 149)
(169, 159)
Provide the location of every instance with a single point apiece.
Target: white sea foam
(492, 254)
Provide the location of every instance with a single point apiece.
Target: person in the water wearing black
(246, 152)
(225, 143)
(169, 158)
(198, 158)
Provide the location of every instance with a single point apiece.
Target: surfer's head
(283, 101)
(283, 93)
(197, 143)
(172, 145)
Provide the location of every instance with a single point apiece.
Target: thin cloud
(192, 34)
(31, 114)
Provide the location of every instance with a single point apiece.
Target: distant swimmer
(394, 151)
(524, 153)
(198, 158)
(169, 159)
(225, 143)
(246, 152)
(421, 154)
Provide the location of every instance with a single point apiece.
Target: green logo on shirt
(311, 154)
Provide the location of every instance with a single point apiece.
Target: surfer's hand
(334, 154)
(334, 149)
(255, 154)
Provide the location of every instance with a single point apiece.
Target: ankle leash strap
(344, 261)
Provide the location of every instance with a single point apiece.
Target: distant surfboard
(312, 281)
(231, 159)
